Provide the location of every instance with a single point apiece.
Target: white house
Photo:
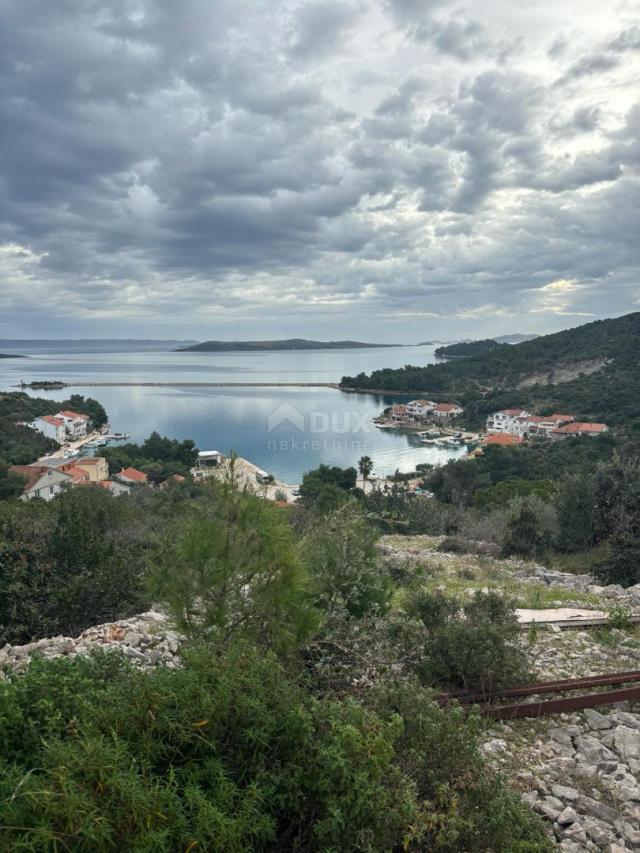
(420, 408)
(75, 424)
(507, 420)
(52, 427)
(42, 482)
(446, 411)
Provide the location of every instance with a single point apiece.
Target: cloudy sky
(390, 170)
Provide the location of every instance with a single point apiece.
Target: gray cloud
(196, 167)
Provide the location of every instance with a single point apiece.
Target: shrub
(225, 754)
(64, 566)
(468, 806)
(469, 645)
(531, 528)
(453, 545)
(622, 564)
(340, 552)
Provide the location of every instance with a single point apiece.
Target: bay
(286, 431)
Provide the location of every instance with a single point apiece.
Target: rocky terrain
(579, 771)
(146, 639)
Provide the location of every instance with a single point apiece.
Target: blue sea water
(286, 431)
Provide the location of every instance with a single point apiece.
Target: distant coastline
(275, 346)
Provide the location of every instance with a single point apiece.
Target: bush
(224, 755)
(468, 645)
(453, 545)
(531, 528)
(69, 564)
(340, 552)
(469, 806)
(622, 564)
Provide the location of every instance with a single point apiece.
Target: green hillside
(593, 371)
(289, 344)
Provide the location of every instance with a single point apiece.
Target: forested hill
(289, 344)
(466, 349)
(592, 370)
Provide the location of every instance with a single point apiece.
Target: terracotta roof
(89, 460)
(77, 474)
(446, 407)
(69, 414)
(574, 428)
(422, 402)
(133, 474)
(51, 420)
(502, 438)
(513, 413)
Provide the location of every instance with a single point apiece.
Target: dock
(179, 384)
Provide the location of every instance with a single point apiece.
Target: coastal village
(48, 476)
(505, 427)
(435, 424)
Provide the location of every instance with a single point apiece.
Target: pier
(179, 384)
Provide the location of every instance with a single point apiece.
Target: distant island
(266, 346)
(10, 355)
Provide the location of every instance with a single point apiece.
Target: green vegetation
(20, 445)
(74, 562)
(467, 349)
(232, 752)
(263, 740)
(289, 344)
(214, 553)
(471, 645)
(327, 487)
(157, 456)
(493, 381)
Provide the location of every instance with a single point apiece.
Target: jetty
(178, 384)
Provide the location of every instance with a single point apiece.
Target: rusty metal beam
(557, 706)
(565, 684)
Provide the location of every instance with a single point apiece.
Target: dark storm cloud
(202, 162)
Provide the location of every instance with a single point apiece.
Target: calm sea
(287, 431)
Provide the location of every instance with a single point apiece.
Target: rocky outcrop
(146, 640)
(581, 775)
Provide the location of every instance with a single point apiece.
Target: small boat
(428, 441)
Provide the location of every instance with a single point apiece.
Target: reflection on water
(284, 430)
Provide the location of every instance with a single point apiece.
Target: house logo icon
(286, 414)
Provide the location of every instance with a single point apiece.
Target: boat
(98, 442)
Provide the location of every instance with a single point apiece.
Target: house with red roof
(578, 428)
(446, 411)
(502, 439)
(52, 427)
(132, 477)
